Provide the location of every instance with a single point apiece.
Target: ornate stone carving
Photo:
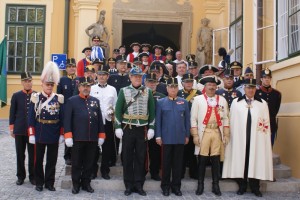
(204, 43)
(99, 29)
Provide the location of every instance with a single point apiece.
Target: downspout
(259, 39)
(66, 31)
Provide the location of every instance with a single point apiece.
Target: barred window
(25, 28)
(236, 30)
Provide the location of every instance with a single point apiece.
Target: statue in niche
(204, 43)
(99, 29)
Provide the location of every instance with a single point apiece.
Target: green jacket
(141, 112)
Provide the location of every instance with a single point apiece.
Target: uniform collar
(229, 90)
(122, 74)
(102, 86)
(266, 89)
(71, 76)
(255, 98)
(172, 99)
(84, 97)
(27, 91)
(46, 95)
(187, 92)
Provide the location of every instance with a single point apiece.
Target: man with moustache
(133, 114)
(18, 118)
(206, 70)
(172, 133)
(210, 131)
(248, 155)
(45, 127)
(107, 96)
(84, 131)
(66, 87)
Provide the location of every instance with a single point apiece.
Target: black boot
(215, 171)
(201, 174)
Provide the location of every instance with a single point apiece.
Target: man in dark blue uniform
(66, 87)
(237, 73)
(188, 93)
(83, 127)
(156, 67)
(121, 79)
(45, 122)
(272, 97)
(172, 133)
(228, 92)
(18, 128)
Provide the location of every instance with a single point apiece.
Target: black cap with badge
(266, 72)
(26, 76)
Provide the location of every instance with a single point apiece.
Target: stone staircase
(284, 182)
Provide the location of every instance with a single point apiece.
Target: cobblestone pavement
(9, 190)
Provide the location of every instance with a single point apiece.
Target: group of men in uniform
(163, 116)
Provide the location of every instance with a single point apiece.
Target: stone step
(276, 159)
(280, 171)
(116, 184)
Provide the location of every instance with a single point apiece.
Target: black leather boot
(201, 174)
(215, 171)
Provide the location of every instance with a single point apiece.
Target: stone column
(85, 13)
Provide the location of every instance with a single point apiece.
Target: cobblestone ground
(9, 190)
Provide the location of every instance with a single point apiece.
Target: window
(288, 19)
(25, 28)
(236, 30)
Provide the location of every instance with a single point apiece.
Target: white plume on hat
(50, 73)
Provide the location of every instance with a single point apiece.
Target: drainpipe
(259, 40)
(66, 30)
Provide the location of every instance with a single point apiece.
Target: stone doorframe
(153, 11)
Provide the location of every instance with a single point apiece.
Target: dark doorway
(163, 33)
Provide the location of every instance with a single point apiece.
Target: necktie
(248, 138)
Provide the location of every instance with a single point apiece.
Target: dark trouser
(172, 158)
(21, 141)
(189, 159)
(83, 154)
(51, 159)
(134, 151)
(67, 155)
(108, 148)
(273, 136)
(254, 183)
(154, 156)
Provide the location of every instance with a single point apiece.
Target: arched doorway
(163, 33)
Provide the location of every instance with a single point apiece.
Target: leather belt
(48, 121)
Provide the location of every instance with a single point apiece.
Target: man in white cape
(249, 153)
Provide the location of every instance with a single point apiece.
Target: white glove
(150, 134)
(61, 139)
(119, 133)
(32, 139)
(69, 142)
(100, 141)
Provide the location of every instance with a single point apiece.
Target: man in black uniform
(272, 97)
(188, 93)
(121, 79)
(228, 92)
(155, 68)
(18, 128)
(154, 148)
(83, 127)
(66, 87)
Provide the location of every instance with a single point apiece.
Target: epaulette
(60, 98)
(35, 97)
